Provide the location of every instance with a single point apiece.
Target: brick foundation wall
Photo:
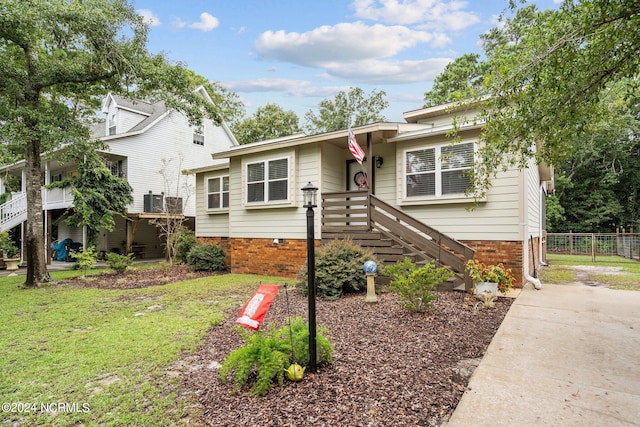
(263, 256)
(509, 253)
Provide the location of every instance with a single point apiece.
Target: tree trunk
(34, 235)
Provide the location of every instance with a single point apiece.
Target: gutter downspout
(534, 281)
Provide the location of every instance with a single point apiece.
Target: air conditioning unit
(174, 205)
(153, 203)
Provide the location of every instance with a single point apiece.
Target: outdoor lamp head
(309, 195)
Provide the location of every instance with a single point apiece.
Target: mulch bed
(391, 367)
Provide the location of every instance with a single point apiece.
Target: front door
(357, 179)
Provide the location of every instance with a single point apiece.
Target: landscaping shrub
(119, 263)
(415, 286)
(185, 241)
(268, 354)
(86, 258)
(338, 269)
(207, 257)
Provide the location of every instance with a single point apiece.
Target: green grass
(108, 349)
(560, 270)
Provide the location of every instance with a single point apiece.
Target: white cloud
(178, 23)
(207, 22)
(374, 71)
(442, 14)
(149, 17)
(340, 43)
(355, 51)
(298, 88)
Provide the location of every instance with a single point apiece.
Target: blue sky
(295, 53)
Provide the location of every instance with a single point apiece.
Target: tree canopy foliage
(548, 78)
(270, 121)
(57, 60)
(352, 108)
(597, 187)
(98, 196)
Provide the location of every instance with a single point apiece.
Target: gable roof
(383, 131)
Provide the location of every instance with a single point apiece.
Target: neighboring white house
(414, 199)
(143, 139)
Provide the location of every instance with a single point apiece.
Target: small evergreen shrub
(85, 258)
(415, 286)
(185, 241)
(208, 257)
(268, 354)
(119, 263)
(338, 269)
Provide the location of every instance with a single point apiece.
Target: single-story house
(411, 202)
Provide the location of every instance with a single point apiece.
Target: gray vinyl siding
(278, 221)
(333, 177)
(497, 218)
(210, 223)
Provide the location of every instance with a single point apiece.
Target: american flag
(355, 148)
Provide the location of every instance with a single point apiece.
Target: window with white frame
(198, 135)
(112, 124)
(437, 171)
(116, 168)
(218, 192)
(268, 181)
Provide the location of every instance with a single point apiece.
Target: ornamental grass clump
(415, 286)
(490, 273)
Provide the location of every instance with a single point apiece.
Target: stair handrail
(421, 238)
(14, 207)
(442, 239)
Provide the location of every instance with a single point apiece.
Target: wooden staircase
(13, 212)
(392, 234)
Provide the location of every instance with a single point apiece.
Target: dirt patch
(584, 273)
(139, 278)
(391, 367)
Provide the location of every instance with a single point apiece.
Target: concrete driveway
(567, 355)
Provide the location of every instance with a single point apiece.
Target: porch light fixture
(309, 193)
(379, 162)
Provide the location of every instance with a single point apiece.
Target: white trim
(288, 202)
(437, 172)
(222, 208)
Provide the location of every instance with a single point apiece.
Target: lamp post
(309, 192)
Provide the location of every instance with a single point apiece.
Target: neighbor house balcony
(14, 211)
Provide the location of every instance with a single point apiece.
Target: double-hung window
(218, 192)
(268, 181)
(438, 171)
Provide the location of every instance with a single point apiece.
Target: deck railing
(357, 211)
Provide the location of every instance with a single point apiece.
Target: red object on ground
(253, 312)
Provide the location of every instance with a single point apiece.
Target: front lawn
(100, 357)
